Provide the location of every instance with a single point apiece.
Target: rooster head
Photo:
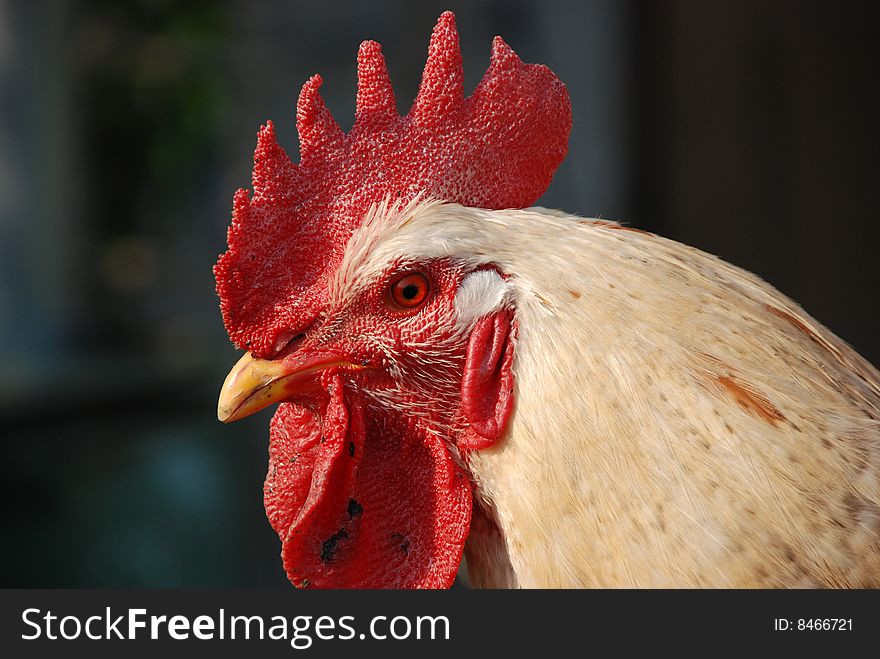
(389, 369)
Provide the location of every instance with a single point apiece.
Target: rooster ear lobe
(487, 383)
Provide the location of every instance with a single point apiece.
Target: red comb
(496, 149)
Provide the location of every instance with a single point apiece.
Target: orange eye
(409, 291)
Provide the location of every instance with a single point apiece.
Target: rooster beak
(251, 385)
(254, 384)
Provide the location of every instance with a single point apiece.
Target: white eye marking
(479, 294)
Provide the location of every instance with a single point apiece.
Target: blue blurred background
(749, 129)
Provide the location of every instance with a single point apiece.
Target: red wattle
(379, 503)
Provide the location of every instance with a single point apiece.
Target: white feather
(480, 293)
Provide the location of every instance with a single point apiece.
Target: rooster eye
(409, 291)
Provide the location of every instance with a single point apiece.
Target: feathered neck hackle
(496, 149)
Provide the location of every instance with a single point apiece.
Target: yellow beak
(254, 384)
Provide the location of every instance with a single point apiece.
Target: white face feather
(481, 293)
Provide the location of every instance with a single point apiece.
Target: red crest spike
(375, 94)
(273, 169)
(319, 134)
(441, 92)
(497, 149)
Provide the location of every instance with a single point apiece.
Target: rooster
(565, 402)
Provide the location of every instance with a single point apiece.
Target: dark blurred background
(748, 129)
